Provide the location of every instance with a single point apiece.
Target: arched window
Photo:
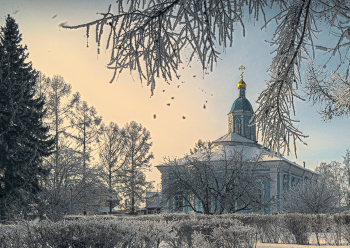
(238, 126)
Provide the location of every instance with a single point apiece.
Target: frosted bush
(86, 233)
(178, 231)
(200, 240)
(155, 232)
(12, 234)
(268, 228)
(298, 225)
(346, 229)
(233, 236)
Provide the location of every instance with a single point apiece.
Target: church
(283, 173)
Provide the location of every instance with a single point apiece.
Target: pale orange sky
(54, 50)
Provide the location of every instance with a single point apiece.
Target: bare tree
(55, 198)
(346, 169)
(311, 197)
(112, 156)
(149, 37)
(215, 185)
(333, 173)
(338, 175)
(62, 163)
(84, 130)
(198, 147)
(138, 156)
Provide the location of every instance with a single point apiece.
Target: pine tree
(24, 139)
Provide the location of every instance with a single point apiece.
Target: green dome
(241, 104)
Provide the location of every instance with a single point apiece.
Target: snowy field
(265, 245)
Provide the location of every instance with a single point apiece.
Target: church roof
(249, 152)
(233, 138)
(241, 104)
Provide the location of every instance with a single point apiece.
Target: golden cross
(241, 68)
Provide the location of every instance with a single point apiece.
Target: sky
(54, 50)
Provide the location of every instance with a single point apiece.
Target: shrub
(297, 224)
(177, 230)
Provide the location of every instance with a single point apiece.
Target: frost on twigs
(331, 90)
(276, 102)
(295, 38)
(219, 175)
(149, 36)
(311, 197)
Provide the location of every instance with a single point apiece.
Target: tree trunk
(84, 166)
(132, 187)
(110, 189)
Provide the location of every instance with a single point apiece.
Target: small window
(247, 129)
(238, 126)
(178, 202)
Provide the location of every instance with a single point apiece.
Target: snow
(263, 245)
(249, 152)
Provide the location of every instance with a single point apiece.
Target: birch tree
(138, 157)
(211, 185)
(149, 38)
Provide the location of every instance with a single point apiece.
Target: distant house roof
(106, 210)
(154, 202)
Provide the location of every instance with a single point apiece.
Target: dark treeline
(56, 155)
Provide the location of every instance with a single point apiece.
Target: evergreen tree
(24, 139)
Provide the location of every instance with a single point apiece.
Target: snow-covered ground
(265, 245)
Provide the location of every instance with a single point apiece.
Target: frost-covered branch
(273, 116)
(150, 38)
(329, 90)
